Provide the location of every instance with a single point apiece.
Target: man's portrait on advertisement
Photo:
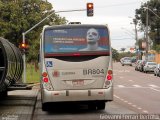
(92, 39)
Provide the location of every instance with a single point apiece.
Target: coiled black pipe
(11, 64)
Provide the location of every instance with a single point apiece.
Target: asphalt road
(135, 93)
(136, 90)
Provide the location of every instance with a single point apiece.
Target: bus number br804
(93, 71)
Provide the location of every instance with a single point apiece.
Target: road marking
(131, 104)
(145, 111)
(116, 96)
(124, 71)
(122, 99)
(155, 89)
(134, 105)
(120, 86)
(131, 80)
(153, 86)
(121, 77)
(137, 86)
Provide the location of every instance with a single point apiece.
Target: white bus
(76, 65)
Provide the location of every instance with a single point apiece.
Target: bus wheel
(101, 105)
(3, 94)
(44, 106)
(92, 106)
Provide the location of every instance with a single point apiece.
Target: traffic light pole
(24, 33)
(147, 45)
(24, 61)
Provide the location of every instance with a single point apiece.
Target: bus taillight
(45, 79)
(44, 74)
(109, 77)
(109, 72)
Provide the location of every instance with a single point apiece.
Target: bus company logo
(68, 73)
(49, 64)
(55, 73)
(93, 71)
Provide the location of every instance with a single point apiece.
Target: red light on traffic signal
(23, 46)
(89, 9)
(90, 5)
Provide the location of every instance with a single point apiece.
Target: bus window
(81, 40)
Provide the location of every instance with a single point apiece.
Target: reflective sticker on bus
(49, 64)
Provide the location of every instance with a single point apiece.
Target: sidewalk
(18, 105)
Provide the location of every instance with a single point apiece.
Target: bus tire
(44, 106)
(92, 106)
(101, 105)
(3, 94)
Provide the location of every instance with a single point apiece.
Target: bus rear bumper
(77, 95)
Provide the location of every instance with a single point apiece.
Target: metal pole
(51, 15)
(136, 37)
(24, 61)
(147, 34)
(24, 33)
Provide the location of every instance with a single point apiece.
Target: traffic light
(89, 9)
(23, 47)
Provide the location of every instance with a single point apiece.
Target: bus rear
(76, 65)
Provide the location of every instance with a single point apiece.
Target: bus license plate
(78, 82)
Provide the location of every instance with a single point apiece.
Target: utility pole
(147, 46)
(136, 37)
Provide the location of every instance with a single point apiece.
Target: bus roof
(75, 25)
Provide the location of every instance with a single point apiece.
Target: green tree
(17, 16)
(154, 21)
(123, 49)
(115, 54)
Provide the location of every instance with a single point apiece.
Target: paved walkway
(19, 105)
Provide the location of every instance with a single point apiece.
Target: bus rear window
(73, 40)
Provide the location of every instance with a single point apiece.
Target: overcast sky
(116, 13)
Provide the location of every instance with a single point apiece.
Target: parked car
(157, 70)
(149, 67)
(141, 65)
(133, 60)
(126, 61)
(137, 64)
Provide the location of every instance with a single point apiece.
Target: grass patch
(32, 74)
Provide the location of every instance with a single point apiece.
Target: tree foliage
(115, 54)
(123, 49)
(18, 16)
(154, 21)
